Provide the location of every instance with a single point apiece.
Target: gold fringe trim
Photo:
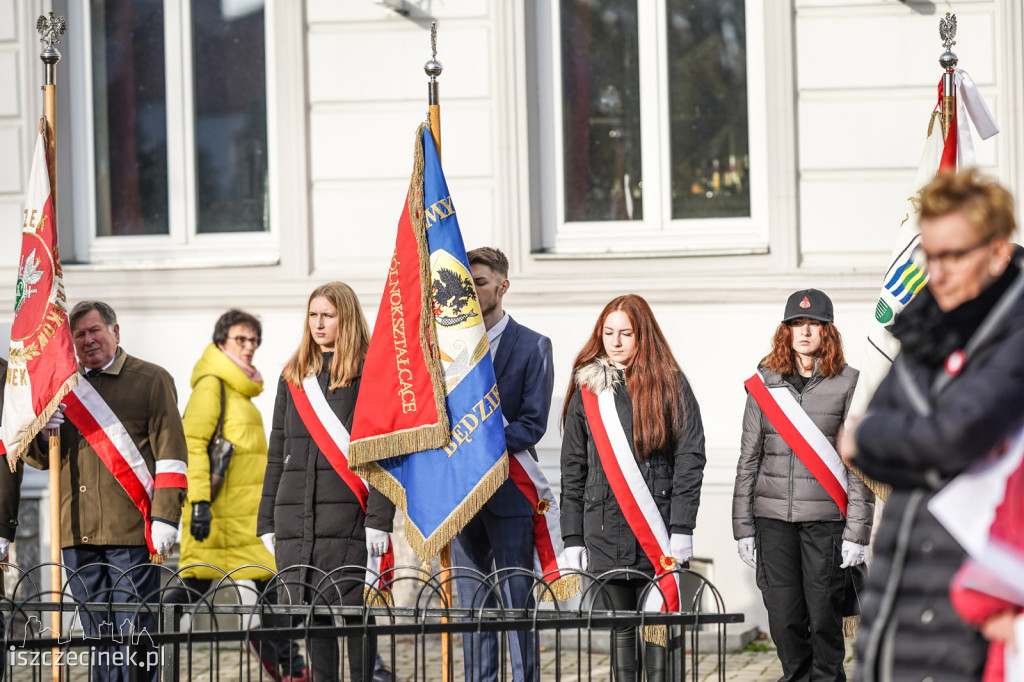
(656, 634)
(397, 443)
(562, 589)
(429, 436)
(881, 490)
(14, 452)
(428, 336)
(426, 548)
(850, 626)
(379, 597)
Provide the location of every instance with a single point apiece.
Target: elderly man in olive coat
(105, 535)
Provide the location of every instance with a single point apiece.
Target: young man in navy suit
(500, 536)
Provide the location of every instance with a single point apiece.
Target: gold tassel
(850, 626)
(380, 597)
(656, 634)
(562, 589)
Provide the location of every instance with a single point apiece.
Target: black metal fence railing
(234, 631)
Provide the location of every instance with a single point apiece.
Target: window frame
(183, 245)
(657, 233)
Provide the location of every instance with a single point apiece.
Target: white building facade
(710, 155)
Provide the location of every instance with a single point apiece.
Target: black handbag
(220, 450)
(856, 579)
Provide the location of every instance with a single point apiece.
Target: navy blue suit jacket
(526, 377)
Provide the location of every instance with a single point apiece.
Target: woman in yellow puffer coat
(220, 529)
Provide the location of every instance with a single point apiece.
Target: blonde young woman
(309, 517)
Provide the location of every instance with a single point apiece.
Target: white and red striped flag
(42, 368)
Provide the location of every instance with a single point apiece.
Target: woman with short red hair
(632, 465)
(794, 506)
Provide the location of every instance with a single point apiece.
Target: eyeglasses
(948, 259)
(243, 340)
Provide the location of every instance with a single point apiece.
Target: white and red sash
(114, 446)
(547, 533)
(634, 497)
(807, 441)
(331, 436)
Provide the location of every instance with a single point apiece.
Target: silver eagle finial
(50, 29)
(947, 31)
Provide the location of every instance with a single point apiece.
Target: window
(656, 120)
(178, 146)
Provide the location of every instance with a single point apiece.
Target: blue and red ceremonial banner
(428, 429)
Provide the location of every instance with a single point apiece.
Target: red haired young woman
(783, 511)
(626, 382)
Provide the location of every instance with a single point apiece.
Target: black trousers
(323, 652)
(802, 585)
(625, 595)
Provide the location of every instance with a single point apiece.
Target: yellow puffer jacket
(233, 541)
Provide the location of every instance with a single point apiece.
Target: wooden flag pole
(433, 69)
(50, 29)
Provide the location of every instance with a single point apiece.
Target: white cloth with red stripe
(807, 441)
(633, 496)
(332, 438)
(114, 446)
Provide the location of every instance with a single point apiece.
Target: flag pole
(50, 29)
(948, 61)
(433, 69)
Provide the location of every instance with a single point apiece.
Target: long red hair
(652, 376)
(782, 359)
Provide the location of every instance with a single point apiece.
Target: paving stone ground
(423, 664)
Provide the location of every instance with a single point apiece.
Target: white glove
(577, 558)
(746, 549)
(164, 535)
(5, 548)
(54, 422)
(376, 542)
(682, 547)
(853, 554)
(268, 542)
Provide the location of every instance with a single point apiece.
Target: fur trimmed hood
(597, 375)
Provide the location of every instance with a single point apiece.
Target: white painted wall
(848, 100)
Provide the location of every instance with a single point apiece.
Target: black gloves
(201, 518)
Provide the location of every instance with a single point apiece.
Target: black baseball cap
(809, 303)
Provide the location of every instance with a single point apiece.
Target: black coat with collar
(590, 514)
(918, 634)
(316, 518)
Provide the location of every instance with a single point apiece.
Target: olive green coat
(94, 508)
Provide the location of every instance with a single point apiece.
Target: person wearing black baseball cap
(797, 517)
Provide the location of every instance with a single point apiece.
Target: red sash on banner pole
(331, 436)
(820, 458)
(101, 428)
(634, 498)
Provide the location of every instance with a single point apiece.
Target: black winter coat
(912, 632)
(589, 511)
(316, 518)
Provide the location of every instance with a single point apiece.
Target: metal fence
(234, 631)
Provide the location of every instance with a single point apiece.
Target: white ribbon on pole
(969, 101)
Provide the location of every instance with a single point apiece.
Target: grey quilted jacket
(772, 482)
